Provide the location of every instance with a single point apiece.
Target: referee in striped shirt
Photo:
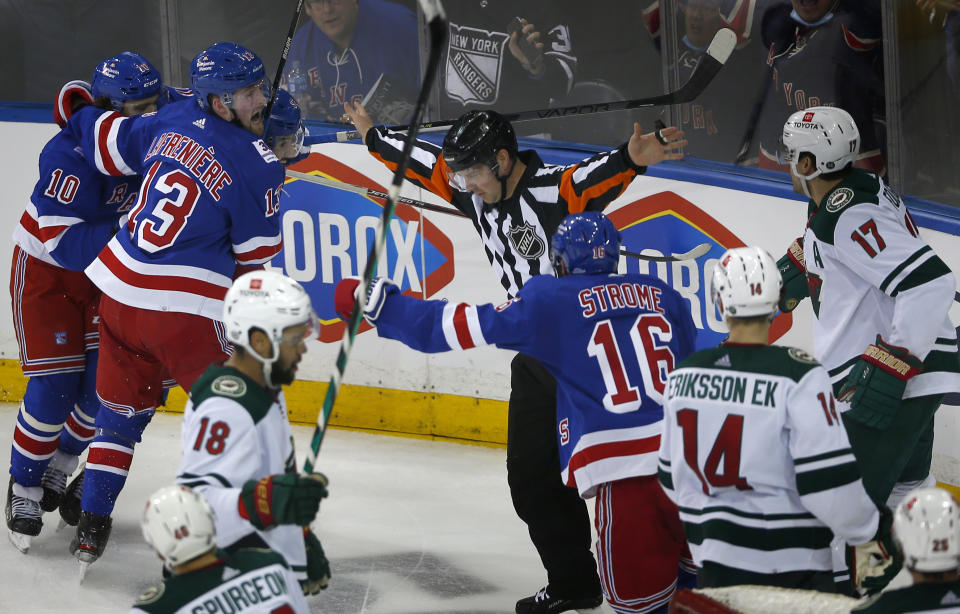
(516, 202)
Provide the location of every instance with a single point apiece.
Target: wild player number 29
(655, 361)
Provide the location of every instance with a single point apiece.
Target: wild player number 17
(654, 359)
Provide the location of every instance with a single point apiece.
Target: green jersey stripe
(203, 478)
(693, 511)
(834, 371)
(666, 479)
(928, 271)
(827, 478)
(806, 538)
(820, 457)
(900, 267)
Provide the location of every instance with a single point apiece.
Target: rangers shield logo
(474, 59)
(526, 242)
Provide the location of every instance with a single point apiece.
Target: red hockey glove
(875, 385)
(377, 291)
(793, 271)
(283, 498)
(72, 96)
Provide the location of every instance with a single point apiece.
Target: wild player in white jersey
(236, 440)
(754, 453)
(179, 525)
(880, 295)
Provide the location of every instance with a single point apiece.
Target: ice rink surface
(410, 526)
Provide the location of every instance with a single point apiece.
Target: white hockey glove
(873, 564)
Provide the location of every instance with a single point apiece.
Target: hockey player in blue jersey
(284, 131)
(71, 215)
(207, 204)
(610, 340)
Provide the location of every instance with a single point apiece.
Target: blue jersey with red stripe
(74, 210)
(208, 202)
(609, 340)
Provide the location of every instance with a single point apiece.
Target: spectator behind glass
(824, 52)
(718, 121)
(488, 65)
(357, 50)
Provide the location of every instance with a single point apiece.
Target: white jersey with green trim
(870, 273)
(756, 458)
(234, 430)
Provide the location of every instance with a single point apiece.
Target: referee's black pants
(555, 514)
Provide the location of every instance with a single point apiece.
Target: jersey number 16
(655, 360)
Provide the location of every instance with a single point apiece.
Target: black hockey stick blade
(693, 254)
(710, 64)
(437, 25)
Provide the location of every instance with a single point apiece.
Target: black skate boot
(24, 519)
(54, 483)
(54, 480)
(543, 603)
(70, 502)
(93, 531)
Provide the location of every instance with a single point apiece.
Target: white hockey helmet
(746, 283)
(179, 525)
(270, 302)
(828, 133)
(926, 525)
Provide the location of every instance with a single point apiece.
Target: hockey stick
(437, 24)
(717, 53)
(283, 62)
(694, 253)
(371, 193)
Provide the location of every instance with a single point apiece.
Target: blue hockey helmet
(585, 242)
(223, 68)
(285, 120)
(127, 76)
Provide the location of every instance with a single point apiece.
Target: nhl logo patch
(474, 60)
(229, 386)
(839, 199)
(525, 241)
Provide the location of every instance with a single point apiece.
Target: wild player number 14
(654, 359)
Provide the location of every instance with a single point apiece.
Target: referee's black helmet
(476, 137)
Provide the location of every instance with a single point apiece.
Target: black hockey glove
(874, 388)
(873, 564)
(793, 271)
(283, 498)
(318, 567)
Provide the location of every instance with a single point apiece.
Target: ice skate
(70, 503)
(93, 531)
(54, 480)
(24, 518)
(54, 483)
(543, 603)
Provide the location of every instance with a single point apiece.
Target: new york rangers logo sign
(526, 242)
(474, 60)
